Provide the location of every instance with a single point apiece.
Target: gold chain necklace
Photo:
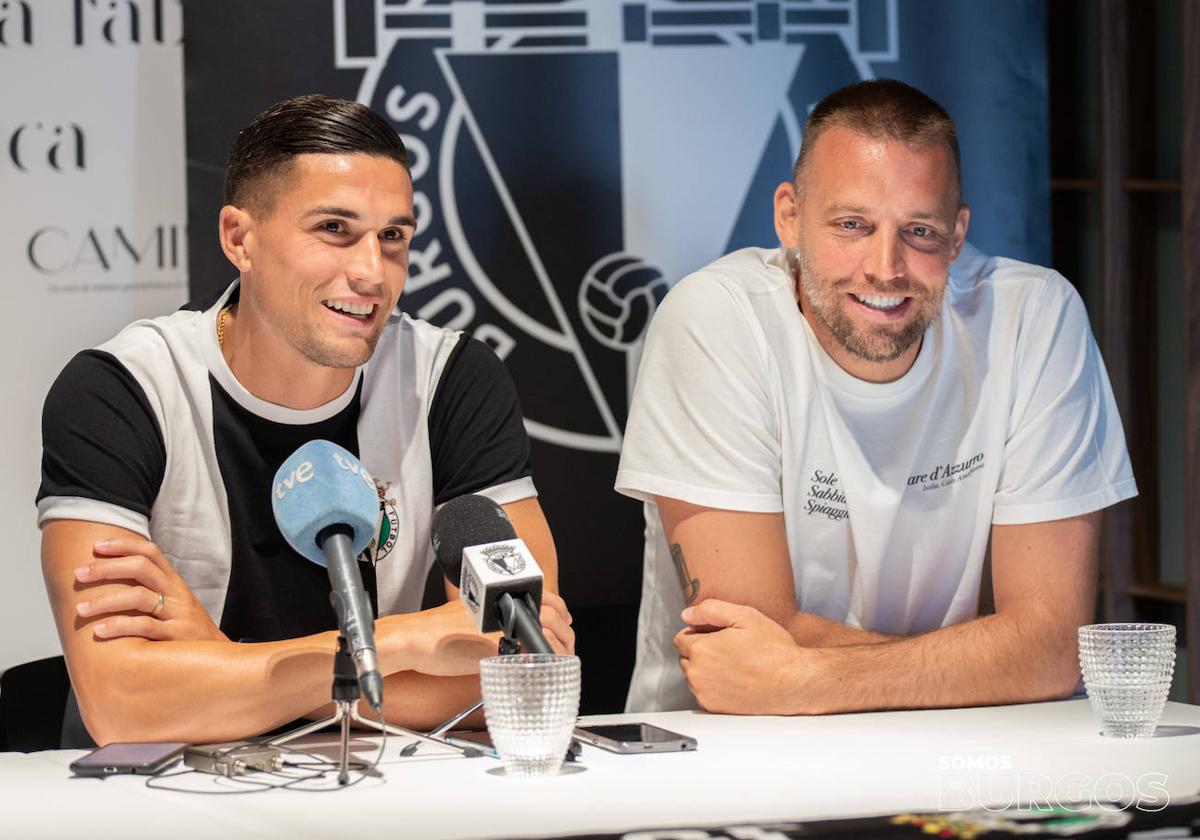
(221, 327)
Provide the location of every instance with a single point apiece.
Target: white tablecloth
(746, 769)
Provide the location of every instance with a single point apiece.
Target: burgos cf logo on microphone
(572, 159)
(504, 559)
(469, 587)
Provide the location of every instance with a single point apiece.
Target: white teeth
(350, 308)
(880, 301)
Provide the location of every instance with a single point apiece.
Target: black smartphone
(142, 759)
(634, 738)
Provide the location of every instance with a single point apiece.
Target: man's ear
(962, 221)
(235, 227)
(787, 215)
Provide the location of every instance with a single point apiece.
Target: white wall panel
(92, 229)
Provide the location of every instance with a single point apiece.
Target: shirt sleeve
(103, 456)
(703, 426)
(477, 436)
(1065, 452)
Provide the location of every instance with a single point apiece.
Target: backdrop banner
(574, 158)
(92, 229)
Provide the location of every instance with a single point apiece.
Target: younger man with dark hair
(183, 613)
(832, 436)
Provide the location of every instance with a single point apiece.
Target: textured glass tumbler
(530, 702)
(1127, 670)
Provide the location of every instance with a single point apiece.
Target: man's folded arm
(1044, 577)
(201, 687)
(742, 557)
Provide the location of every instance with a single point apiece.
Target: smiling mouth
(880, 303)
(362, 312)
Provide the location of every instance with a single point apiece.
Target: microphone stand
(345, 699)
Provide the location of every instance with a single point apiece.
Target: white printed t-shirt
(888, 491)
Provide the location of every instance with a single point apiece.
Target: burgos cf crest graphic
(573, 159)
(504, 559)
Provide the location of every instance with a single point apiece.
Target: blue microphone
(327, 509)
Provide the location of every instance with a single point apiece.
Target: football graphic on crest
(618, 295)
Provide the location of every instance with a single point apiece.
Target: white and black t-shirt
(888, 491)
(152, 432)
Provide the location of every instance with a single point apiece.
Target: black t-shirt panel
(103, 441)
(100, 437)
(477, 436)
(274, 593)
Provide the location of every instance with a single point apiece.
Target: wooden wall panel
(1117, 543)
(1190, 238)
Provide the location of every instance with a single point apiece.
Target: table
(747, 769)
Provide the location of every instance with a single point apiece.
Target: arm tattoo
(690, 585)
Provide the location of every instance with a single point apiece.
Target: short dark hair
(882, 108)
(310, 124)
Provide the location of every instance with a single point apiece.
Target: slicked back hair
(264, 150)
(882, 109)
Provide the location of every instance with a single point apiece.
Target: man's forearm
(739, 659)
(990, 660)
(207, 691)
(1026, 651)
(203, 691)
(421, 702)
(813, 630)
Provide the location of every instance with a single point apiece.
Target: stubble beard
(321, 351)
(308, 340)
(826, 301)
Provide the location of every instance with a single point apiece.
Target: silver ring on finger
(158, 607)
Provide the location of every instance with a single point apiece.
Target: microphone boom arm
(518, 620)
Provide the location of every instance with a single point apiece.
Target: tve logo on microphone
(355, 468)
(304, 472)
(301, 474)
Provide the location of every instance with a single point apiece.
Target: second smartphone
(634, 738)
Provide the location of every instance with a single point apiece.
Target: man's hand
(440, 641)
(121, 589)
(556, 623)
(738, 661)
(443, 642)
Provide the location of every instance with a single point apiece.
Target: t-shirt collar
(832, 373)
(219, 368)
